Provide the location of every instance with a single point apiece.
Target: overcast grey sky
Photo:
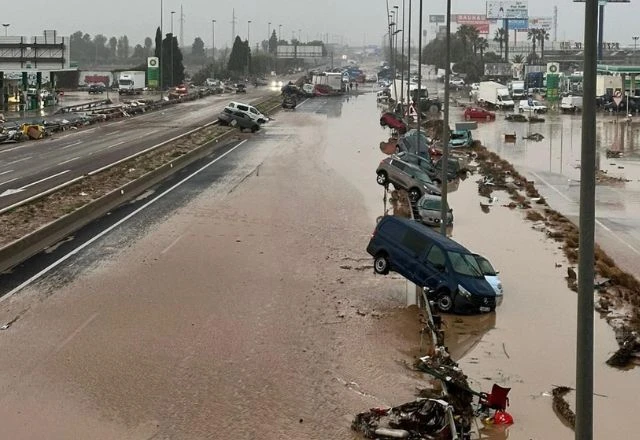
(352, 21)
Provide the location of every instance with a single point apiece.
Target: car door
(432, 268)
(414, 245)
(400, 177)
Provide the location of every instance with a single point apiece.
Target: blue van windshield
(465, 264)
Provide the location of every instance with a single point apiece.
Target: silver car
(430, 210)
(406, 176)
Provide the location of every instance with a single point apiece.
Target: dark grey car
(405, 176)
(238, 119)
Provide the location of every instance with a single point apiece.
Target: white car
(491, 275)
(532, 105)
(458, 82)
(249, 110)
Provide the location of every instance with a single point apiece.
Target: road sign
(436, 18)
(617, 97)
(509, 9)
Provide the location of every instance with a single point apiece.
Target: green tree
(500, 37)
(172, 62)
(482, 44)
(158, 42)
(197, 48)
(148, 44)
(468, 35)
(273, 43)
(113, 47)
(518, 59)
(122, 48)
(542, 36)
(240, 57)
(138, 52)
(101, 52)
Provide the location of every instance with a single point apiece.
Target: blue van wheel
(445, 302)
(381, 264)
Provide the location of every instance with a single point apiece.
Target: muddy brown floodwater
(253, 311)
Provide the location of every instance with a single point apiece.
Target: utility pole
(409, 60)
(213, 40)
(584, 349)
(445, 126)
(402, 58)
(161, 49)
(418, 98)
(181, 27)
(171, 42)
(233, 26)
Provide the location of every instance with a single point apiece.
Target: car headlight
(464, 292)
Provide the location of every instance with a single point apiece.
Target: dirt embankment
(618, 292)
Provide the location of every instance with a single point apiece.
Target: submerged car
(405, 176)
(430, 211)
(460, 139)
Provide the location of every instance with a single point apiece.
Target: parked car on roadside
(448, 270)
(478, 113)
(241, 88)
(249, 110)
(405, 176)
(238, 119)
(393, 121)
(456, 82)
(429, 209)
(491, 275)
(96, 88)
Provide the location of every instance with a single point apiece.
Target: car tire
(444, 301)
(381, 264)
(382, 178)
(414, 194)
(255, 128)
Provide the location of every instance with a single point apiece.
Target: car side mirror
(451, 210)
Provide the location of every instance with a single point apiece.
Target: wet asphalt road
(29, 168)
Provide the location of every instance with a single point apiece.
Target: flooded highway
(243, 305)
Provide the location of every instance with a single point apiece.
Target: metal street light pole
(213, 40)
(402, 58)
(409, 59)
(418, 109)
(635, 42)
(279, 32)
(171, 42)
(248, 44)
(584, 349)
(161, 49)
(6, 27)
(445, 125)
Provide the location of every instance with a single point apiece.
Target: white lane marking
(598, 222)
(151, 132)
(45, 179)
(8, 181)
(76, 332)
(114, 145)
(553, 188)
(71, 145)
(70, 160)
(115, 225)
(19, 160)
(11, 149)
(89, 130)
(168, 248)
(6, 172)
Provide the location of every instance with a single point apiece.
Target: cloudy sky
(351, 21)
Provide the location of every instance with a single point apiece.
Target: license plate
(485, 309)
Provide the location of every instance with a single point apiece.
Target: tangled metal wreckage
(446, 411)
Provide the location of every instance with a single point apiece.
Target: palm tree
(482, 44)
(500, 37)
(532, 35)
(517, 59)
(542, 35)
(467, 35)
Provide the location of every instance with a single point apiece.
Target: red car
(478, 113)
(393, 121)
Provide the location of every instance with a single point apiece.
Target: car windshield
(433, 204)
(458, 135)
(465, 264)
(486, 267)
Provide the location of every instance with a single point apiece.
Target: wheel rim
(414, 194)
(381, 264)
(382, 179)
(445, 303)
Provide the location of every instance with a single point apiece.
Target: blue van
(430, 260)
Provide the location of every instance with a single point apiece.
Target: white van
(532, 105)
(249, 110)
(571, 104)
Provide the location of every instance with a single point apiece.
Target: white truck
(518, 90)
(131, 82)
(571, 104)
(493, 94)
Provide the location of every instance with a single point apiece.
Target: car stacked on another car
(238, 119)
(405, 176)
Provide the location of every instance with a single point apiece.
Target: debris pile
(561, 406)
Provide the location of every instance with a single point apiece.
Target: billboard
(510, 9)
(545, 23)
(497, 69)
(153, 71)
(518, 25)
(436, 18)
(290, 51)
(478, 21)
